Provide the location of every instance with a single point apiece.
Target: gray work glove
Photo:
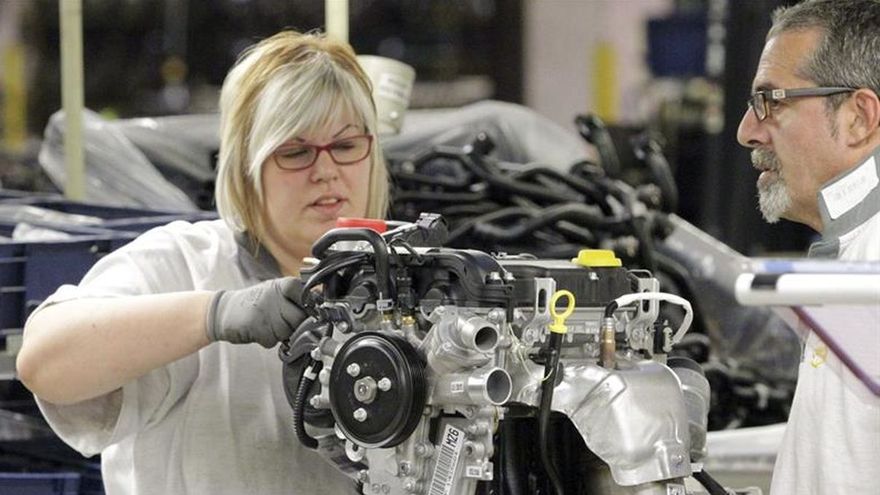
(266, 313)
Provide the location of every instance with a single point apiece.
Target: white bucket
(392, 85)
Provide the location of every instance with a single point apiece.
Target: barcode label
(451, 444)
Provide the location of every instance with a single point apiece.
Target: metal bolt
(384, 384)
(477, 429)
(365, 389)
(363, 475)
(317, 402)
(424, 450)
(496, 315)
(677, 459)
(342, 326)
(404, 467)
(360, 414)
(353, 369)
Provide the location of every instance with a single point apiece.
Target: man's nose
(749, 133)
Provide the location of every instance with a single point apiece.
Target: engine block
(428, 370)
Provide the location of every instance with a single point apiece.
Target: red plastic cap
(365, 223)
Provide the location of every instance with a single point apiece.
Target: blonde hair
(280, 87)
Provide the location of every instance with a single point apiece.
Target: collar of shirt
(846, 202)
(256, 263)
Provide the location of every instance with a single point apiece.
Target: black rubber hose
(324, 270)
(648, 150)
(641, 226)
(580, 185)
(578, 214)
(594, 131)
(709, 483)
(544, 412)
(510, 212)
(299, 404)
(433, 180)
(479, 166)
(512, 481)
(470, 210)
(440, 197)
(380, 252)
(610, 309)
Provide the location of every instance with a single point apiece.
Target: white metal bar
(797, 289)
(72, 97)
(336, 19)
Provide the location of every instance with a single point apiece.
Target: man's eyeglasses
(345, 151)
(759, 102)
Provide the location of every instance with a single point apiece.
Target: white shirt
(832, 441)
(214, 422)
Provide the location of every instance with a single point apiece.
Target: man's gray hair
(849, 53)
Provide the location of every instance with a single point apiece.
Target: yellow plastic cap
(596, 258)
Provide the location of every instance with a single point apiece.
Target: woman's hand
(266, 313)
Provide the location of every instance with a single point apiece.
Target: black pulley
(377, 390)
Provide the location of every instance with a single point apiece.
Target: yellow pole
(15, 99)
(72, 97)
(605, 92)
(336, 19)
(13, 81)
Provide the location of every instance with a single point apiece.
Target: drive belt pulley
(377, 389)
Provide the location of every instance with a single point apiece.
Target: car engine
(438, 371)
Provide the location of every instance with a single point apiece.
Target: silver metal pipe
(484, 386)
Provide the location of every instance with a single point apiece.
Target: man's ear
(865, 122)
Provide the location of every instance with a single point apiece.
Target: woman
(137, 362)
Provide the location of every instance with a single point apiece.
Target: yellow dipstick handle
(558, 325)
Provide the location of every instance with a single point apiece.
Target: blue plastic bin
(39, 483)
(31, 271)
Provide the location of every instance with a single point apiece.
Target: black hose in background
(299, 404)
(641, 226)
(587, 216)
(709, 483)
(544, 412)
(594, 131)
(649, 151)
(589, 190)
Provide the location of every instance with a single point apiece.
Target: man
(813, 124)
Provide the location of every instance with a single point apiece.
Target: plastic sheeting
(117, 172)
(520, 134)
(26, 213)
